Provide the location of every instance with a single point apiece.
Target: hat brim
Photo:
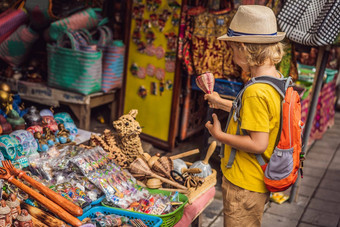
(254, 38)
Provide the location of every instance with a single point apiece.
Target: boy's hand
(214, 128)
(213, 100)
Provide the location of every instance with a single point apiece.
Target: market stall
(55, 174)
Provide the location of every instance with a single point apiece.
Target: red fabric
(191, 211)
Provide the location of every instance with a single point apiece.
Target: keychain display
(168, 84)
(142, 92)
(141, 73)
(153, 88)
(161, 87)
(160, 52)
(171, 41)
(175, 19)
(141, 46)
(150, 70)
(150, 50)
(146, 25)
(136, 36)
(160, 74)
(150, 36)
(134, 69)
(154, 20)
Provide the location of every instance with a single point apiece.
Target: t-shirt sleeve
(254, 114)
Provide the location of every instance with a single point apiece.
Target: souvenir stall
(51, 175)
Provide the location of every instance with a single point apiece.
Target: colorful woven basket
(15, 48)
(74, 69)
(10, 20)
(113, 59)
(87, 19)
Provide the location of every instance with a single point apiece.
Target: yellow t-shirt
(260, 111)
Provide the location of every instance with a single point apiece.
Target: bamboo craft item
(52, 195)
(54, 208)
(139, 166)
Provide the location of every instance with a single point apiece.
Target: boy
(255, 42)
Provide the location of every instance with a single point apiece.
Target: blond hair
(256, 54)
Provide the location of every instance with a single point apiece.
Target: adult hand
(215, 127)
(214, 100)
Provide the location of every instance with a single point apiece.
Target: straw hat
(253, 24)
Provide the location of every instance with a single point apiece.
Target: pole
(317, 84)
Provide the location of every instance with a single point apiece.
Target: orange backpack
(282, 169)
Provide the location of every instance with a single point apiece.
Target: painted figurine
(24, 219)
(48, 121)
(42, 143)
(6, 127)
(63, 135)
(14, 204)
(71, 127)
(32, 117)
(5, 214)
(49, 137)
(29, 144)
(63, 117)
(9, 145)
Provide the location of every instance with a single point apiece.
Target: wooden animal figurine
(128, 130)
(24, 219)
(5, 214)
(123, 142)
(14, 204)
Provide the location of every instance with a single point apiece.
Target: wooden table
(81, 105)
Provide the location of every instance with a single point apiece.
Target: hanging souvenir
(161, 24)
(142, 91)
(135, 11)
(154, 20)
(150, 36)
(149, 5)
(146, 25)
(136, 35)
(150, 70)
(175, 19)
(141, 47)
(156, 4)
(153, 88)
(162, 19)
(150, 50)
(160, 52)
(134, 69)
(139, 23)
(174, 5)
(172, 40)
(141, 10)
(168, 84)
(170, 66)
(160, 74)
(141, 72)
(161, 87)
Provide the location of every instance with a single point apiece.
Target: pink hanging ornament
(206, 82)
